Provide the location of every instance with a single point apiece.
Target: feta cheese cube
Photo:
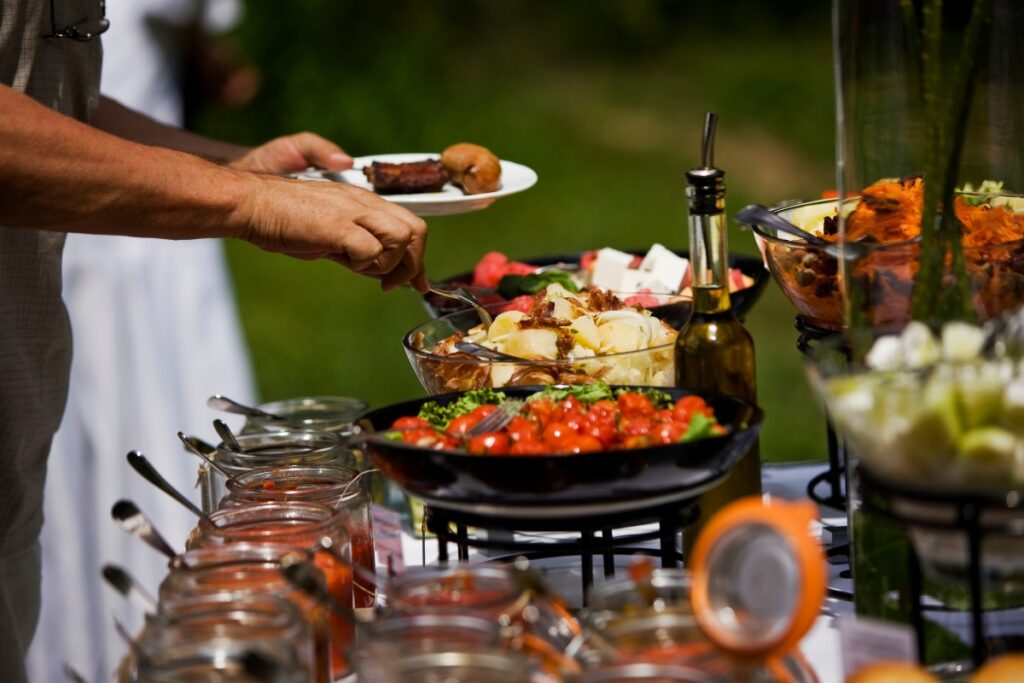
(609, 265)
(665, 268)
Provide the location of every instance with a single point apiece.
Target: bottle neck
(709, 261)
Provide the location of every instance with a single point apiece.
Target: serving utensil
(228, 405)
(459, 294)
(499, 418)
(125, 584)
(200, 448)
(140, 464)
(226, 435)
(757, 214)
(474, 349)
(300, 571)
(129, 517)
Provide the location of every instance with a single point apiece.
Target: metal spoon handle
(756, 214)
(125, 584)
(219, 402)
(225, 433)
(460, 294)
(195, 446)
(129, 517)
(141, 465)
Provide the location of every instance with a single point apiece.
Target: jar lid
(759, 577)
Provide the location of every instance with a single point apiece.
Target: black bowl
(675, 314)
(461, 481)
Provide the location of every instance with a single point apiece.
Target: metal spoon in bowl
(479, 351)
(459, 294)
(129, 517)
(756, 214)
(200, 448)
(125, 584)
(140, 464)
(219, 402)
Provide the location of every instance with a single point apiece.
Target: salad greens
(659, 398)
(440, 415)
(512, 286)
(700, 428)
(587, 394)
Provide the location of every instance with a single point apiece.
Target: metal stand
(972, 516)
(596, 535)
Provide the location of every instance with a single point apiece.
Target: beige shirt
(35, 337)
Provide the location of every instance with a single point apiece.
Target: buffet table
(820, 646)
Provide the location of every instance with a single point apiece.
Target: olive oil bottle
(714, 351)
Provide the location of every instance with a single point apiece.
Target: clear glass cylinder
(306, 527)
(272, 449)
(242, 570)
(334, 414)
(210, 636)
(330, 486)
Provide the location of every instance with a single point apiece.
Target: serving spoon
(203, 450)
(459, 294)
(125, 584)
(129, 517)
(757, 214)
(220, 402)
(226, 435)
(140, 464)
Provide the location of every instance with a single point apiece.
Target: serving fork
(498, 419)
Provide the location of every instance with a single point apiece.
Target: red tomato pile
(546, 426)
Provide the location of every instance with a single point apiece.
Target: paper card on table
(387, 538)
(864, 641)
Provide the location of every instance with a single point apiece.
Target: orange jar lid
(759, 577)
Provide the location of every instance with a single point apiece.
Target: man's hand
(293, 153)
(356, 228)
(346, 224)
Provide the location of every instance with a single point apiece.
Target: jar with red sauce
(328, 485)
(307, 527)
(270, 449)
(211, 637)
(538, 626)
(242, 572)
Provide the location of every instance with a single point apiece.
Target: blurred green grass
(605, 104)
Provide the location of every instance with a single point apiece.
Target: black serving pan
(674, 314)
(461, 481)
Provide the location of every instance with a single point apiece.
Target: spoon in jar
(129, 517)
(227, 436)
(125, 584)
(140, 464)
(200, 448)
(219, 402)
(304, 575)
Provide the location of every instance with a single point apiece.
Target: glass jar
(208, 636)
(328, 485)
(305, 527)
(648, 673)
(334, 414)
(243, 570)
(431, 632)
(270, 449)
(449, 667)
(664, 590)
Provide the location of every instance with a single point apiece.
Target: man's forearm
(115, 118)
(59, 174)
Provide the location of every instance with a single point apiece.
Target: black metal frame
(596, 535)
(968, 518)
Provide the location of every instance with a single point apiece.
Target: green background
(605, 100)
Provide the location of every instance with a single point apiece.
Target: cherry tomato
(462, 424)
(529, 448)
(480, 412)
(542, 409)
(570, 404)
(688, 406)
(601, 427)
(414, 436)
(410, 423)
(668, 432)
(557, 433)
(583, 443)
(445, 443)
(522, 429)
(489, 443)
(637, 426)
(632, 404)
(664, 415)
(638, 441)
(605, 407)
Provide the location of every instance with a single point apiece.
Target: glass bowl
(440, 374)
(812, 280)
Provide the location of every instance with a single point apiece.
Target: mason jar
(212, 636)
(270, 449)
(334, 414)
(306, 527)
(244, 570)
(328, 485)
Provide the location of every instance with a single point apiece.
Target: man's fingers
(321, 152)
(361, 248)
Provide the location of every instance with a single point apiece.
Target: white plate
(450, 200)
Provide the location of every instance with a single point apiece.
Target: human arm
(59, 174)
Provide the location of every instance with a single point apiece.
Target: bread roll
(892, 672)
(473, 168)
